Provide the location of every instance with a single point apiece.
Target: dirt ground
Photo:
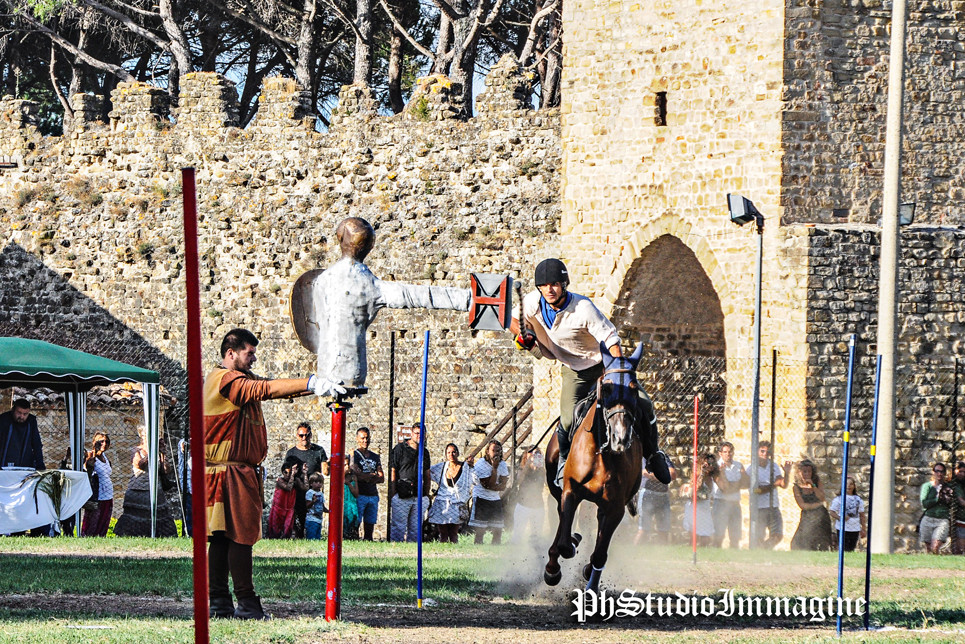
(488, 620)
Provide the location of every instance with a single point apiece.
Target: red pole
(195, 407)
(693, 501)
(333, 576)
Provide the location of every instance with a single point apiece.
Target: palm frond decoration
(53, 483)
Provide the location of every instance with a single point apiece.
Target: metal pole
(773, 394)
(956, 435)
(336, 494)
(388, 490)
(195, 405)
(888, 287)
(422, 466)
(512, 480)
(693, 495)
(756, 394)
(844, 474)
(871, 490)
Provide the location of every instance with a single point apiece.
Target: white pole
(883, 529)
(756, 394)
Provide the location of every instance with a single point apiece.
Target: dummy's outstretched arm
(396, 295)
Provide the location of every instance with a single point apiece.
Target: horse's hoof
(552, 579)
(577, 538)
(568, 551)
(587, 569)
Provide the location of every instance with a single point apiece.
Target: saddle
(580, 411)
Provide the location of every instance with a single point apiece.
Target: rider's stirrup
(558, 481)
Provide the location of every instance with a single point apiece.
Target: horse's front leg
(608, 517)
(564, 544)
(553, 574)
(566, 541)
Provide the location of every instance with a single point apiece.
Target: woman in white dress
(454, 481)
(490, 477)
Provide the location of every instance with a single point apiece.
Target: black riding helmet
(551, 270)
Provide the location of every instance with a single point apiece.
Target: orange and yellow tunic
(235, 443)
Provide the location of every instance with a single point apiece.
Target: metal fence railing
(479, 386)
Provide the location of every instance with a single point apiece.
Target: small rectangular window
(660, 112)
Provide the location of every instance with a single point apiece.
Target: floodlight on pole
(742, 211)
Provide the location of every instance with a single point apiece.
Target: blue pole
(422, 464)
(871, 490)
(844, 474)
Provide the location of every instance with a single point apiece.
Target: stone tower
(669, 106)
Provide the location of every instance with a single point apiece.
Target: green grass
(286, 570)
(25, 627)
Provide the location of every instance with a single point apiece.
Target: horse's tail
(632, 506)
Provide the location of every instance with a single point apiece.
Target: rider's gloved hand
(525, 340)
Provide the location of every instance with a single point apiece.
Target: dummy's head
(356, 237)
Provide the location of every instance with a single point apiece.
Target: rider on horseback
(569, 328)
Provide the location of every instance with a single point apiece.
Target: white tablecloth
(18, 512)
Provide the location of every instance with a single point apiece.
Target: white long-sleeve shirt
(576, 334)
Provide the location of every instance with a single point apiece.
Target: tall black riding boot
(250, 608)
(563, 440)
(249, 604)
(658, 463)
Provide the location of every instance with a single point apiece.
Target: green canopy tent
(33, 363)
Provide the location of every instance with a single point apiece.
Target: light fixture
(906, 214)
(742, 210)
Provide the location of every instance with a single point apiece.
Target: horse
(607, 474)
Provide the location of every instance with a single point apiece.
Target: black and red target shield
(490, 307)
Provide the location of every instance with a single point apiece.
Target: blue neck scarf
(549, 313)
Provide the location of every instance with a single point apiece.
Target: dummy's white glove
(324, 386)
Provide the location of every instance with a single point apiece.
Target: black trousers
(228, 557)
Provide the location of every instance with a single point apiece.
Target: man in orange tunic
(235, 444)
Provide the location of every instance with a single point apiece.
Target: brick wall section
(786, 105)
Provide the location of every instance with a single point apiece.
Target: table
(18, 512)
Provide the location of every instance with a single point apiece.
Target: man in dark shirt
(20, 444)
(403, 487)
(367, 467)
(314, 459)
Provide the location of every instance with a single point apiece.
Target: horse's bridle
(610, 413)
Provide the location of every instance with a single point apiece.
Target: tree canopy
(53, 49)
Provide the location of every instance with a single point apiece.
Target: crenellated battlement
(208, 105)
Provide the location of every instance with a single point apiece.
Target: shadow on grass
(365, 580)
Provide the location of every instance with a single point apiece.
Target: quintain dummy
(332, 309)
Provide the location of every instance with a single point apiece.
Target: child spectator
(350, 505)
(315, 506)
(855, 519)
(281, 518)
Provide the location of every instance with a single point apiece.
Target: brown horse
(604, 466)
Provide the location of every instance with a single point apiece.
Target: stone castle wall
(92, 251)
(842, 263)
(669, 107)
(835, 95)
